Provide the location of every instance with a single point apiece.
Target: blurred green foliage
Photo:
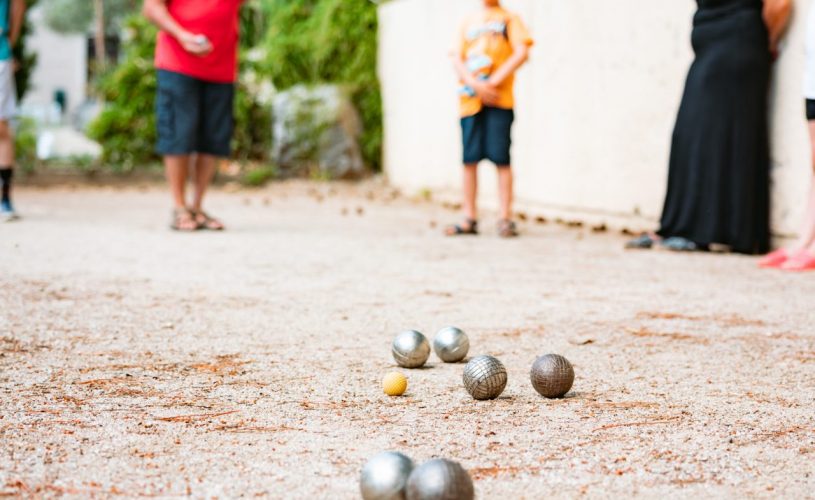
(27, 59)
(25, 144)
(126, 127)
(258, 176)
(25, 139)
(76, 16)
(328, 41)
(283, 43)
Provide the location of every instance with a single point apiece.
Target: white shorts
(8, 91)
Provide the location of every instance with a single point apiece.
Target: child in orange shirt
(493, 44)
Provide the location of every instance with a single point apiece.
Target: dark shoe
(646, 241)
(469, 228)
(679, 244)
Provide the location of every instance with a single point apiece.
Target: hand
(495, 82)
(197, 45)
(486, 92)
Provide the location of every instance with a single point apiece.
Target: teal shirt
(5, 46)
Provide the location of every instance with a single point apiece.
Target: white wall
(595, 106)
(62, 63)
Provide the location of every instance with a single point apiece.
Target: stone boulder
(315, 132)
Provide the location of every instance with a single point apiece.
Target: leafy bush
(328, 41)
(126, 128)
(256, 177)
(25, 144)
(77, 16)
(27, 59)
(25, 139)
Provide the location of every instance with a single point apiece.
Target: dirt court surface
(139, 362)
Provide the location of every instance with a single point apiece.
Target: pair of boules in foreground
(392, 476)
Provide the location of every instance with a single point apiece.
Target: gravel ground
(139, 362)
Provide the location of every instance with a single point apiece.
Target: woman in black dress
(719, 176)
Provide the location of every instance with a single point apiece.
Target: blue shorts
(488, 136)
(193, 116)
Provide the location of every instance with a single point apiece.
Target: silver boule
(440, 479)
(411, 349)
(385, 476)
(485, 377)
(451, 344)
(552, 376)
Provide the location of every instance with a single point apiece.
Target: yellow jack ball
(394, 384)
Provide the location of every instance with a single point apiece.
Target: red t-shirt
(219, 21)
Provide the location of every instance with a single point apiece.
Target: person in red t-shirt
(196, 62)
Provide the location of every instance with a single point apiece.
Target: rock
(315, 131)
(66, 143)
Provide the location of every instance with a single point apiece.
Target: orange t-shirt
(486, 42)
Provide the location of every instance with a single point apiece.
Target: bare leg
(6, 172)
(469, 188)
(505, 191)
(6, 145)
(205, 166)
(176, 169)
(470, 191)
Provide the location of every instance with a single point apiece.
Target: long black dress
(718, 183)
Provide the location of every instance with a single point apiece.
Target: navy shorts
(810, 103)
(488, 136)
(193, 116)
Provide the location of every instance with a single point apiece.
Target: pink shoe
(803, 261)
(775, 259)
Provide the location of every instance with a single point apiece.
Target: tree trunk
(99, 36)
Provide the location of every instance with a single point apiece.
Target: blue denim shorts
(487, 135)
(193, 116)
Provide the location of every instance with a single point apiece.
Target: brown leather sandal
(205, 221)
(507, 229)
(469, 228)
(184, 221)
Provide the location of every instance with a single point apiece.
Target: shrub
(25, 144)
(126, 127)
(256, 177)
(27, 59)
(328, 41)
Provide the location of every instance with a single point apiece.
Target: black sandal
(680, 244)
(206, 221)
(507, 229)
(645, 241)
(470, 229)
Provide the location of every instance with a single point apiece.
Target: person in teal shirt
(5, 43)
(12, 13)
